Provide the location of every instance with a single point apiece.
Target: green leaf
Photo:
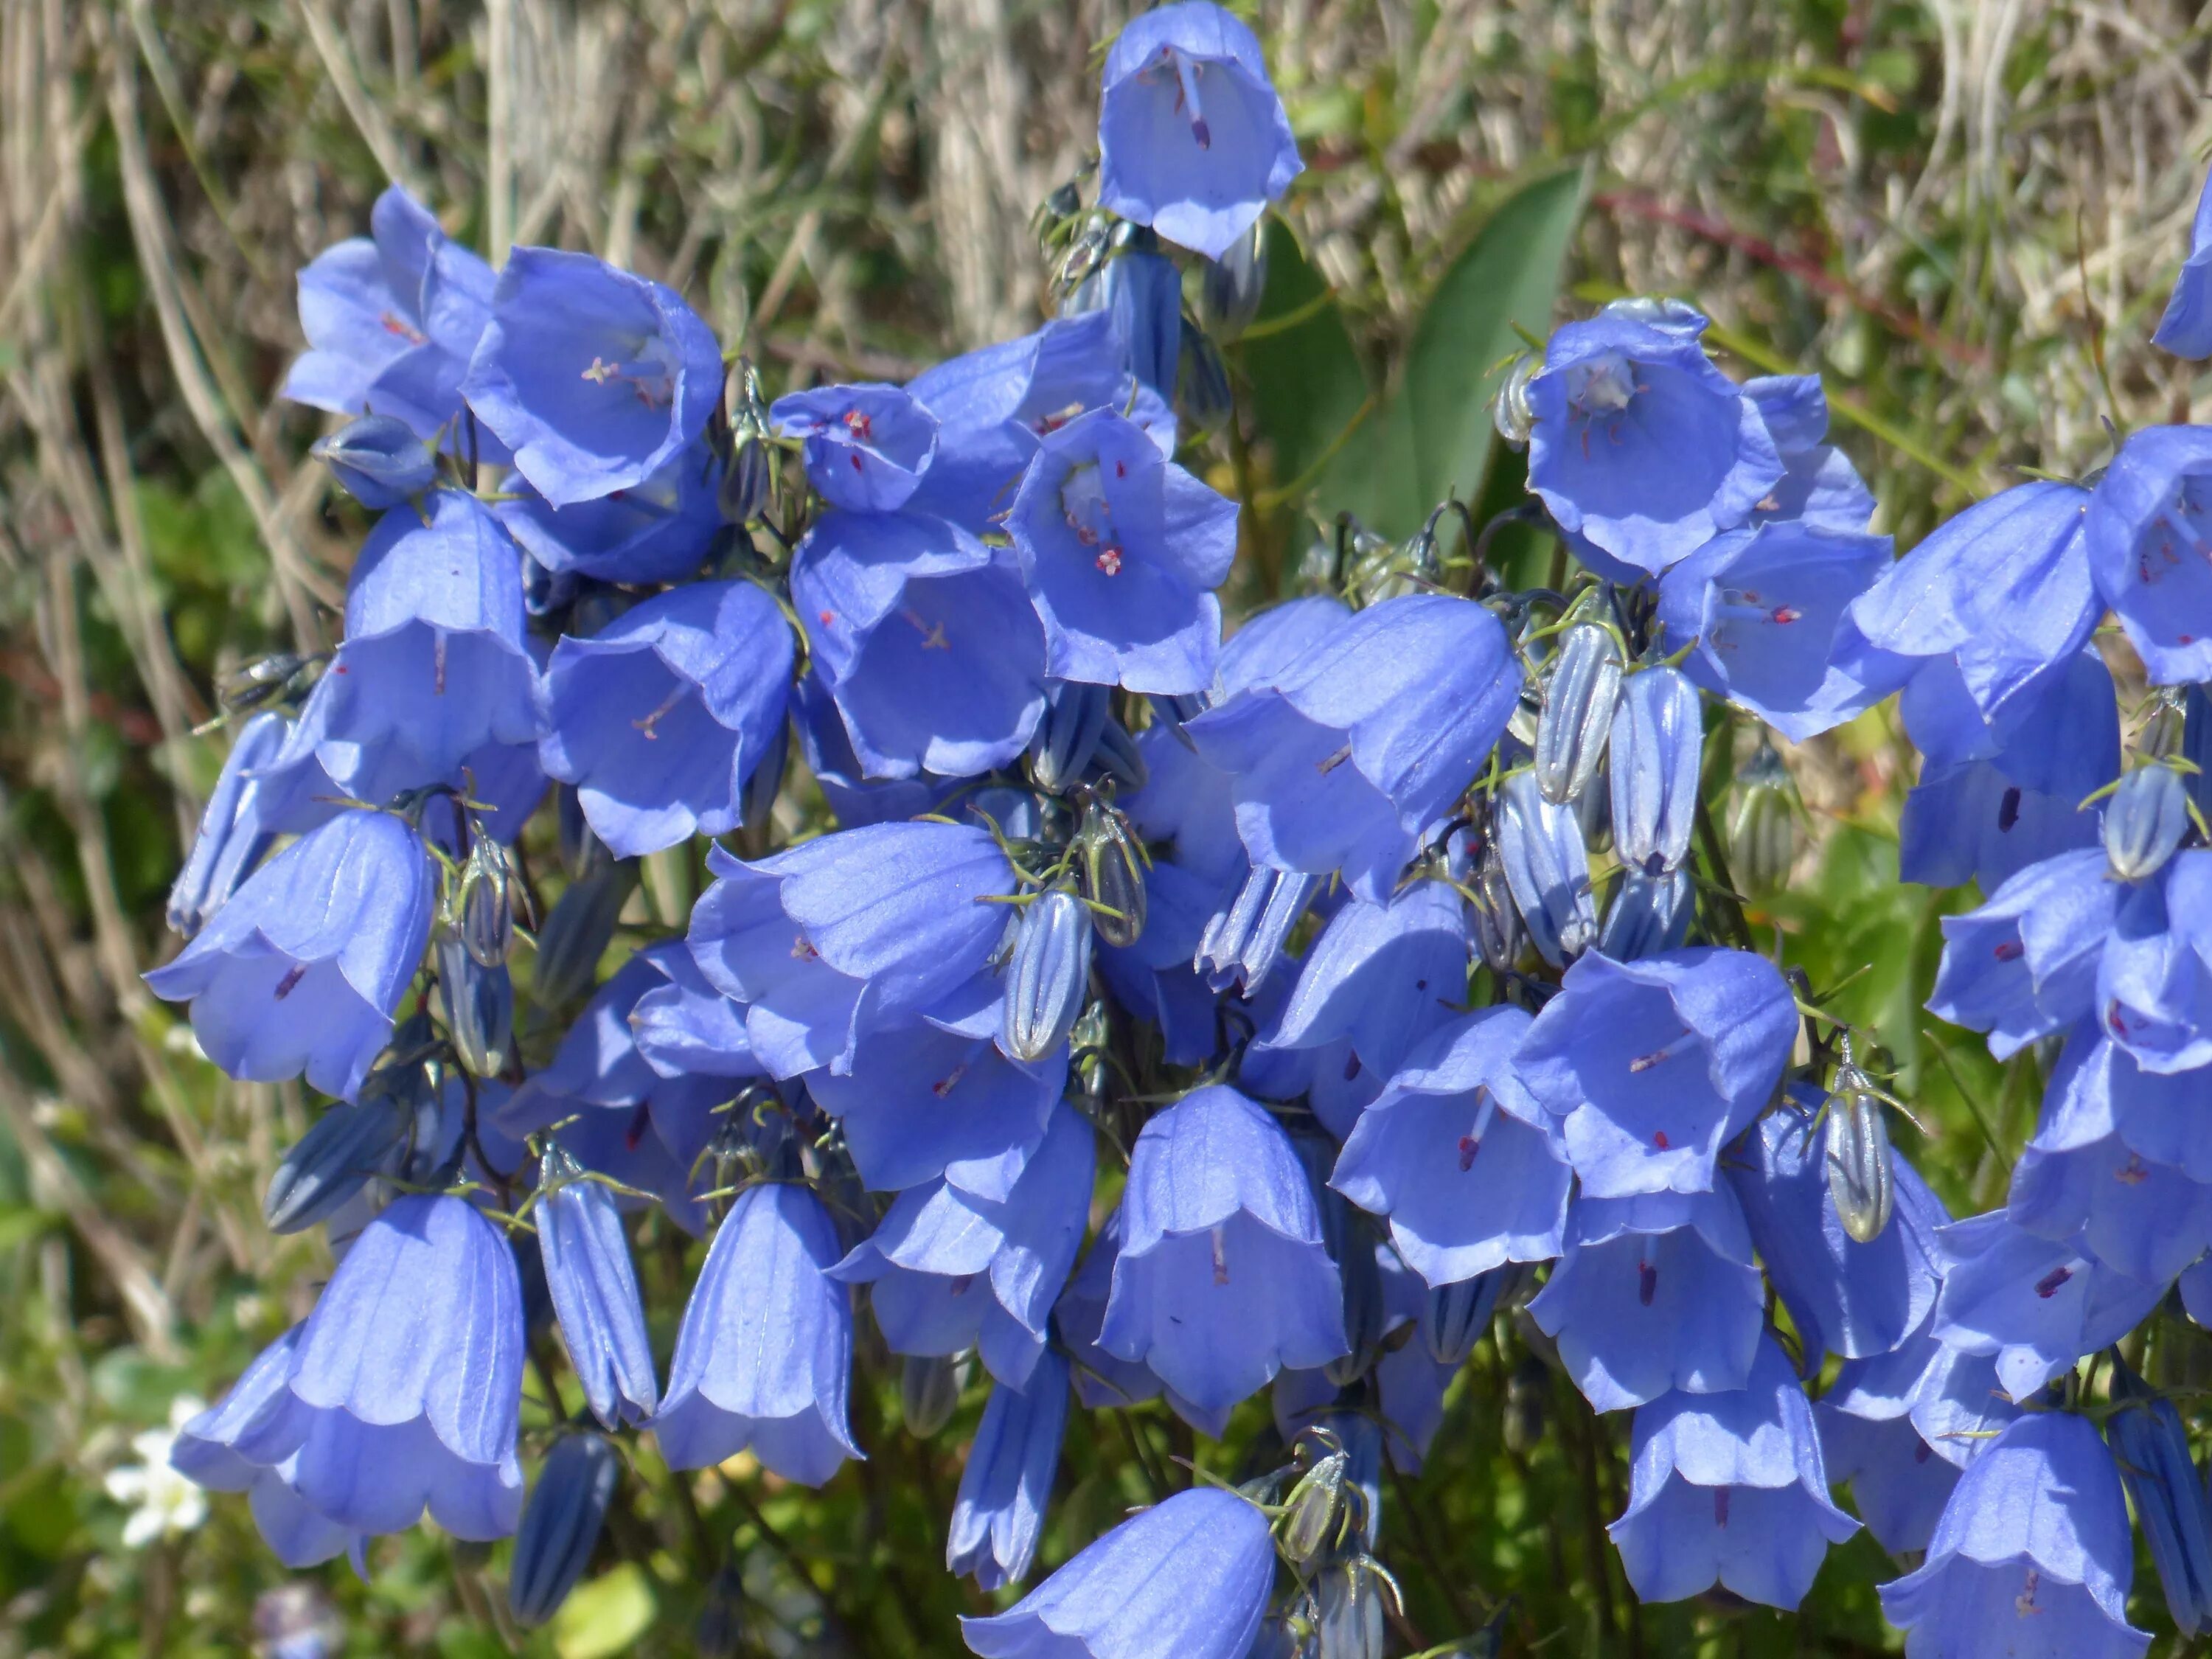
(606, 1616)
(1303, 374)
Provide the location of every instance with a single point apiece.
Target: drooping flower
(206, 1452)
(233, 835)
(1187, 1579)
(660, 529)
(1640, 445)
(1222, 1277)
(2024, 965)
(1730, 1488)
(303, 970)
(999, 1514)
(1193, 139)
(1899, 1485)
(1121, 551)
(593, 376)
(1652, 1067)
(2099, 1092)
(867, 446)
(2186, 327)
(2033, 1555)
(660, 718)
(1819, 486)
(2151, 1445)
(764, 1355)
(2149, 535)
(391, 321)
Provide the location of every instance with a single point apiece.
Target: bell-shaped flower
(1729, 1489)
(2143, 1220)
(1658, 741)
(2098, 1092)
(390, 320)
(594, 1290)
(1121, 551)
(1347, 755)
(303, 970)
(2154, 989)
(206, 1452)
(407, 1385)
(1952, 1399)
(1102, 1379)
(1819, 486)
(1640, 445)
(949, 1271)
(2037, 1304)
(1222, 1277)
(1187, 1579)
(997, 1514)
(2024, 965)
(2149, 536)
(856, 799)
(660, 529)
(1655, 1292)
(1652, 1067)
(1770, 610)
(1193, 139)
(924, 640)
(867, 446)
(1899, 1485)
(593, 376)
(2033, 1555)
(1459, 1156)
(2002, 588)
(764, 1356)
(686, 1028)
(232, 834)
(434, 666)
(2186, 327)
(1854, 1299)
(660, 718)
(854, 933)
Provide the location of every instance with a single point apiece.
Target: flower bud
(1491, 917)
(1118, 757)
(561, 1525)
(1528, 1393)
(1457, 1315)
(330, 1163)
(1510, 411)
(577, 930)
(1860, 1178)
(719, 1633)
(1548, 869)
(1243, 943)
(378, 460)
(2196, 745)
(743, 489)
(1111, 869)
(485, 904)
(266, 680)
(581, 849)
(1050, 975)
(1075, 716)
(2145, 822)
(1203, 399)
(1762, 831)
(1348, 1621)
(929, 1390)
(2152, 1448)
(1316, 1513)
(1648, 915)
(1577, 713)
(1658, 744)
(477, 1005)
(593, 1286)
(1229, 288)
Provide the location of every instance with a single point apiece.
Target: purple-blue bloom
(867, 446)
(2149, 536)
(2024, 965)
(2145, 1220)
(997, 1514)
(1186, 1580)
(1193, 139)
(303, 969)
(1120, 550)
(660, 718)
(1141, 290)
(2098, 1092)
(1899, 1485)
(206, 1452)
(1641, 446)
(378, 460)
(1730, 1488)
(660, 529)
(1819, 486)
(2150, 1443)
(2186, 327)
(764, 1356)
(1652, 1067)
(2032, 1556)
(593, 376)
(1222, 1277)
(232, 834)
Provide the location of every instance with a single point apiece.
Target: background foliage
(1963, 212)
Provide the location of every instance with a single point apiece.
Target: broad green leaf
(606, 1616)
(1302, 372)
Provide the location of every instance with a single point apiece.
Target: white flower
(161, 1500)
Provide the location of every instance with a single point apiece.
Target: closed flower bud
(1049, 974)
(378, 460)
(1648, 915)
(2152, 1448)
(2196, 745)
(1860, 1178)
(719, 1633)
(1316, 1511)
(1229, 288)
(576, 932)
(1110, 867)
(331, 1162)
(561, 1525)
(478, 1006)
(1075, 717)
(1762, 830)
(1658, 743)
(485, 905)
(1242, 944)
(1528, 1393)
(929, 1390)
(746, 479)
(1458, 1314)
(2145, 822)
(594, 1287)
(1491, 917)
(1548, 869)
(1348, 1619)
(1203, 398)
(1578, 715)
(1510, 411)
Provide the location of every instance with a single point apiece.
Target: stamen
(290, 983)
(667, 707)
(2048, 1285)
(438, 662)
(601, 370)
(945, 1085)
(1220, 1258)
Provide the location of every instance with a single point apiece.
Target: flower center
(1603, 384)
(1083, 503)
(1188, 105)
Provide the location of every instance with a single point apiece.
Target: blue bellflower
(660, 529)
(1641, 446)
(1120, 550)
(1819, 486)
(997, 1514)
(1141, 288)
(594, 376)
(390, 320)
(378, 460)
(1899, 1485)
(2098, 1092)
(303, 970)
(1222, 1276)
(764, 1355)
(1652, 1067)
(2149, 535)
(867, 446)
(1187, 1579)
(206, 1452)
(1729, 1489)
(2033, 1555)
(1193, 139)
(2186, 327)
(232, 834)
(660, 718)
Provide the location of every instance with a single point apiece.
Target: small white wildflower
(161, 1501)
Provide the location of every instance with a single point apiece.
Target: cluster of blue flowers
(1373, 972)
